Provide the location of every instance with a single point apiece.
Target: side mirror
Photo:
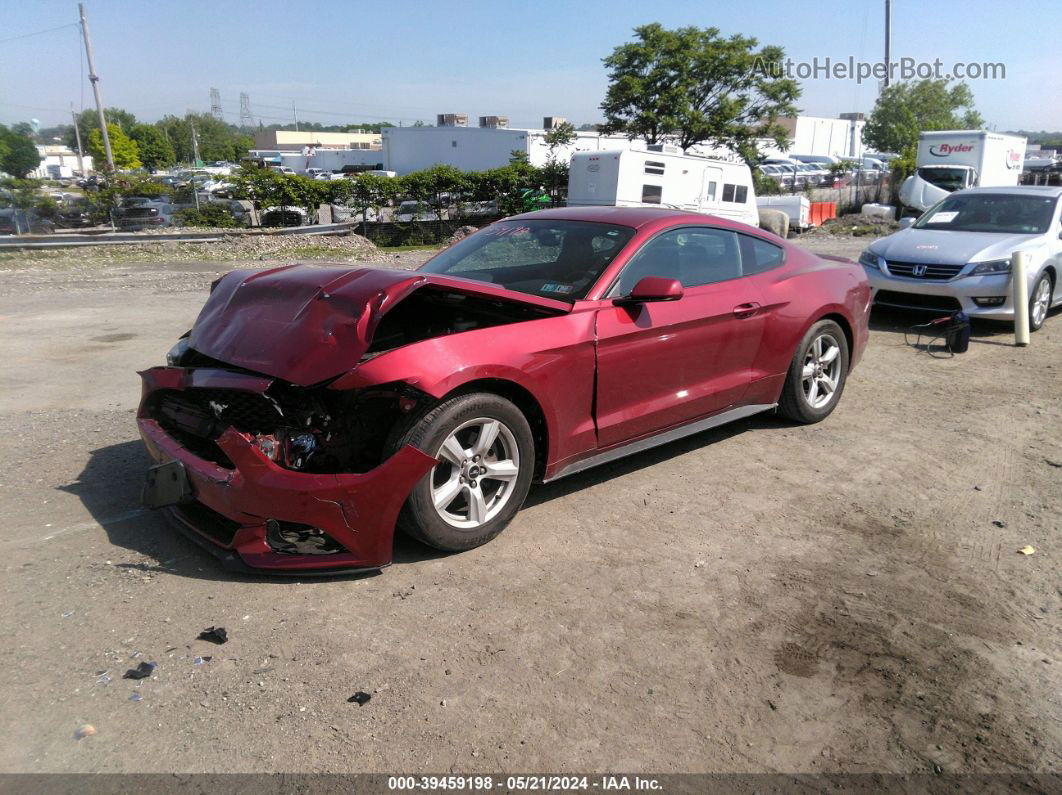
(652, 288)
(907, 221)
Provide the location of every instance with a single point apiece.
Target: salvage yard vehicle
(144, 212)
(957, 256)
(311, 410)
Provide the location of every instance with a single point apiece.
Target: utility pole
(888, 41)
(195, 158)
(295, 110)
(77, 134)
(215, 105)
(95, 80)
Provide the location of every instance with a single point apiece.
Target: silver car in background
(957, 255)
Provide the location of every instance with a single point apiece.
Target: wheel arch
(524, 400)
(846, 327)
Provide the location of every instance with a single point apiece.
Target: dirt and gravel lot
(846, 597)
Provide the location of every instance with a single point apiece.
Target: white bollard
(1019, 290)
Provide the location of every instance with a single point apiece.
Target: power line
(40, 32)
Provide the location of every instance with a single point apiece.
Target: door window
(693, 255)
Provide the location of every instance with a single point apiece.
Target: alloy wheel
(1041, 302)
(822, 370)
(478, 466)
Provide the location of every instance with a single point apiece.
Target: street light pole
(95, 80)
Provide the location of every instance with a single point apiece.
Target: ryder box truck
(950, 160)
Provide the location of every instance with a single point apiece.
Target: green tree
(89, 120)
(18, 153)
(123, 149)
(555, 172)
(903, 110)
(153, 148)
(693, 86)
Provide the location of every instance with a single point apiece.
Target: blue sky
(346, 62)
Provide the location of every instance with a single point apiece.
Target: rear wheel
(1040, 301)
(486, 459)
(816, 375)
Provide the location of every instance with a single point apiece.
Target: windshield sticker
(551, 287)
(503, 230)
(943, 218)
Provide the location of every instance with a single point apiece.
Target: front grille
(197, 417)
(251, 412)
(935, 303)
(934, 272)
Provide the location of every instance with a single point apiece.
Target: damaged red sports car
(312, 410)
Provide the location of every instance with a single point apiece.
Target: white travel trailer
(950, 160)
(636, 178)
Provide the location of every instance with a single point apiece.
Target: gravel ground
(845, 597)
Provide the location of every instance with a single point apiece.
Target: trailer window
(652, 194)
(654, 167)
(738, 194)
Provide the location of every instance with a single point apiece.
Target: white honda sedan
(957, 255)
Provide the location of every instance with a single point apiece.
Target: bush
(212, 215)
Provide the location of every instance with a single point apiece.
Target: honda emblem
(919, 271)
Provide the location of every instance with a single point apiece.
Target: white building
(407, 149)
(818, 135)
(58, 162)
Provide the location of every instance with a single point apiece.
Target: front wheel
(816, 375)
(486, 456)
(1040, 301)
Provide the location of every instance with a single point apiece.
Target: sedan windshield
(550, 258)
(1007, 213)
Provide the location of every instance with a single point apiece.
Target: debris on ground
(360, 698)
(200, 660)
(1027, 550)
(142, 671)
(136, 697)
(216, 635)
(854, 225)
(84, 731)
(999, 523)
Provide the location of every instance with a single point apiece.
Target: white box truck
(665, 178)
(950, 160)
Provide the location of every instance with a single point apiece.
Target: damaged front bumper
(235, 510)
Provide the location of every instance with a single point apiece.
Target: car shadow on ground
(110, 484)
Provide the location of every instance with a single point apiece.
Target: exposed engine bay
(316, 429)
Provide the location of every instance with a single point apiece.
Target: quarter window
(757, 255)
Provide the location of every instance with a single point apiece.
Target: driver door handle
(746, 310)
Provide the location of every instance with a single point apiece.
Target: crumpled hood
(932, 246)
(305, 324)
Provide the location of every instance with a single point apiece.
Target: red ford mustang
(312, 410)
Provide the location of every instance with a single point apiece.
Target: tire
(804, 396)
(473, 507)
(1040, 301)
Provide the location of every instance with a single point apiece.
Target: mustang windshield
(550, 258)
(1007, 213)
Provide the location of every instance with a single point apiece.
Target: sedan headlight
(871, 260)
(994, 266)
(173, 358)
